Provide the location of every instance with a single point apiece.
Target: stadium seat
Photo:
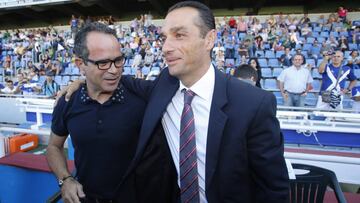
(133, 71)
(311, 99)
(311, 62)
(277, 72)
(74, 77)
(58, 79)
(263, 63)
(127, 70)
(259, 54)
(324, 34)
(316, 85)
(266, 72)
(274, 63)
(75, 71)
(315, 74)
(317, 29)
(65, 80)
(347, 103)
(310, 40)
(315, 34)
(279, 98)
(269, 54)
(1, 78)
(321, 39)
(42, 79)
(306, 47)
(353, 46)
(270, 84)
(229, 62)
(155, 68)
(279, 53)
(344, 33)
(357, 73)
(68, 71)
(334, 34)
(145, 70)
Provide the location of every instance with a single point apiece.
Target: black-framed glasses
(106, 63)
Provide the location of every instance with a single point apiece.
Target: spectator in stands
(306, 31)
(295, 82)
(331, 73)
(28, 88)
(105, 116)
(246, 73)
(10, 88)
(342, 13)
(315, 51)
(304, 20)
(343, 44)
(50, 88)
(254, 63)
(355, 35)
(74, 24)
(241, 25)
(285, 59)
(354, 60)
(232, 22)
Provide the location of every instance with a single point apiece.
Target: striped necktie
(189, 183)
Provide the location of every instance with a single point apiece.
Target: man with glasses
(103, 119)
(334, 75)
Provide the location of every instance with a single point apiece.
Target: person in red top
(342, 13)
(232, 22)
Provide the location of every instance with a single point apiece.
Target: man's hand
(69, 90)
(72, 191)
(285, 96)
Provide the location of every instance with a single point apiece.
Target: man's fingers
(80, 191)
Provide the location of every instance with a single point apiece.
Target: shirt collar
(204, 87)
(117, 96)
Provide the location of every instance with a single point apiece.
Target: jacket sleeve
(266, 154)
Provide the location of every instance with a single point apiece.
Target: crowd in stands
(268, 46)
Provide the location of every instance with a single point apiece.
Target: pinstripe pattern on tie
(189, 183)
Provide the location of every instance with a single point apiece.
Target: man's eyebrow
(174, 30)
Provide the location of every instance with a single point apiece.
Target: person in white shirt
(10, 88)
(295, 82)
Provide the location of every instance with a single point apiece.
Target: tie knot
(188, 96)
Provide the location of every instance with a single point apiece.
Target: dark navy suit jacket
(244, 155)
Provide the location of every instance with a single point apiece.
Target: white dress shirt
(295, 80)
(201, 105)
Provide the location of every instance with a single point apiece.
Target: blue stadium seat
(316, 85)
(1, 78)
(269, 54)
(270, 84)
(65, 80)
(263, 63)
(317, 29)
(259, 54)
(42, 79)
(307, 47)
(305, 54)
(344, 33)
(274, 63)
(1, 71)
(74, 77)
(279, 53)
(155, 68)
(145, 70)
(310, 40)
(133, 71)
(68, 71)
(319, 62)
(266, 72)
(279, 98)
(315, 34)
(58, 79)
(347, 54)
(357, 73)
(347, 103)
(315, 74)
(229, 62)
(277, 71)
(311, 100)
(324, 34)
(334, 34)
(75, 71)
(321, 39)
(353, 46)
(127, 70)
(311, 62)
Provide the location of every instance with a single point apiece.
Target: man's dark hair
(245, 71)
(80, 46)
(206, 20)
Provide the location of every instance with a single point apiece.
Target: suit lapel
(159, 100)
(217, 123)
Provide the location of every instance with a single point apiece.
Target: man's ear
(210, 39)
(79, 62)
